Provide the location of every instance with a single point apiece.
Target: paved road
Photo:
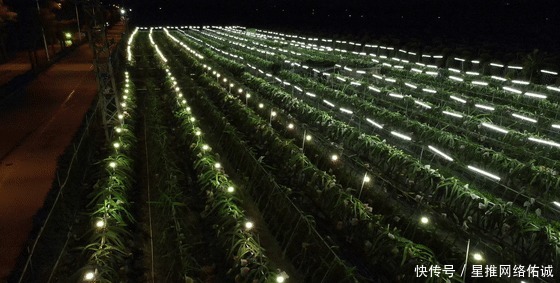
(32, 137)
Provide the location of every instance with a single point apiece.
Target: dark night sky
(517, 22)
(513, 24)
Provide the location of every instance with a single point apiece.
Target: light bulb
(230, 189)
(218, 165)
(249, 225)
(366, 179)
(112, 164)
(290, 126)
(477, 257)
(334, 157)
(424, 220)
(116, 145)
(89, 276)
(308, 138)
(261, 105)
(100, 224)
(205, 147)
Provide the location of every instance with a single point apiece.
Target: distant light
(100, 224)
(549, 72)
(334, 157)
(68, 35)
(477, 257)
(89, 276)
(249, 225)
(308, 138)
(230, 189)
(485, 107)
(424, 220)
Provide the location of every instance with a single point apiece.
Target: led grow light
(453, 114)
(524, 118)
(456, 78)
(440, 153)
(485, 107)
(519, 82)
(458, 99)
(535, 95)
(479, 83)
(549, 72)
(499, 78)
(374, 123)
(410, 85)
(510, 89)
(495, 128)
(328, 103)
(482, 172)
(346, 111)
(404, 137)
(423, 104)
(551, 143)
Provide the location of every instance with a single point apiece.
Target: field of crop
(253, 156)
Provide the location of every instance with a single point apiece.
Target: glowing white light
(261, 105)
(551, 143)
(458, 99)
(479, 83)
(416, 70)
(249, 225)
(515, 67)
(366, 178)
(480, 171)
(360, 72)
(473, 73)
(549, 72)
(390, 80)
(374, 123)
(396, 95)
(424, 220)
(377, 76)
(423, 104)
(230, 189)
(454, 70)
(334, 157)
(535, 95)
(89, 276)
(459, 59)
(346, 111)
(298, 88)
(510, 89)
(411, 85)
(556, 203)
(456, 78)
(553, 88)
(499, 78)
(496, 65)
(116, 145)
(310, 94)
(328, 103)
(429, 90)
(477, 257)
(520, 82)
(290, 126)
(404, 137)
(524, 118)
(112, 164)
(440, 153)
(431, 73)
(217, 165)
(280, 279)
(100, 224)
(355, 83)
(485, 107)
(374, 89)
(308, 138)
(452, 114)
(556, 126)
(495, 128)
